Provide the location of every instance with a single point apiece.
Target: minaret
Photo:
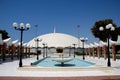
(54, 30)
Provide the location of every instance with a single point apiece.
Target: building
(54, 40)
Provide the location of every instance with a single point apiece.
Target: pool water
(48, 62)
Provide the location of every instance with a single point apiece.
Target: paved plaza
(11, 68)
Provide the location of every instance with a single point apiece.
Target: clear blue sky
(65, 15)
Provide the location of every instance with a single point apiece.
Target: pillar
(26, 51)
(4, 51)
(98, 52)
(114, 52)
(89, 52)
(86, 52)
(93, 52)
(0, 50)
(23, 55)
(29, 52)
(105, 51)
(12, 51)
(18, 52)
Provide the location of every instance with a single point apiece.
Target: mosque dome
(55, 40)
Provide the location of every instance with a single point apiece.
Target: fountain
(62, 59)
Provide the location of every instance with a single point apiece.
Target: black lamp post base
(109, 64)
(74, 56)
(20, 64)
(37, 58)
(83, 58)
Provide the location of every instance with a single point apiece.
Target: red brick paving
(62, 78)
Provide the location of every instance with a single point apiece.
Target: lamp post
(109, 28)
(21, 29)
(43, 49)
(37, 43)
(78, 26)
(83, 40)
(69, 50)
(74, 49)
(46, 49)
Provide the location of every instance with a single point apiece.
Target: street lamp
(83, 40)
(74, 49)
(78, 26)
(46, 49)
(69, 50)
(37, 43)
(21, 28)
(109, 28)
(43, 49)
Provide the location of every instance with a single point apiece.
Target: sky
(64, 15)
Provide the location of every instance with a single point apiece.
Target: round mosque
(54, 40)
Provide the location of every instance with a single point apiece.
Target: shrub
(59, 50)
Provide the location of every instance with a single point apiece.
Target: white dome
(55, 40)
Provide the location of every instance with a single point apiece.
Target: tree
(102, 35)
(4, 34)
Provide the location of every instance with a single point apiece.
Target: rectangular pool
(75, 62)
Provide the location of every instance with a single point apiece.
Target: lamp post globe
(27, 25)
(22, 26)
(15, 25)
(101, 28)
(112, 28)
